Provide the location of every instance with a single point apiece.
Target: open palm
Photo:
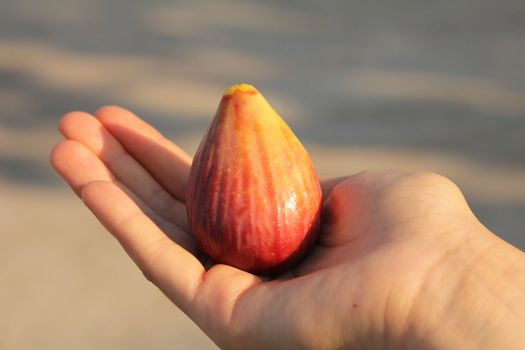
(380, 239)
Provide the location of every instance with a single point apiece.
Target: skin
(401, 261)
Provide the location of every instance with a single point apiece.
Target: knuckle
(154, 260)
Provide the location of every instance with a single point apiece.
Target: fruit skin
(254, 199)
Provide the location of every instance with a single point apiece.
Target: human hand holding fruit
(390, 256)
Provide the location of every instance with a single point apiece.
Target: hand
(392, 268)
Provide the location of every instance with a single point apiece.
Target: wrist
(474, 299)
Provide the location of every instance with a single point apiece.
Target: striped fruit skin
(254, 199)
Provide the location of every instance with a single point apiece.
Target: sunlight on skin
(375, 279)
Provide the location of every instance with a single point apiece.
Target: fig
(254, 198)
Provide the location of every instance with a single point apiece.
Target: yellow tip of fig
(240, 87)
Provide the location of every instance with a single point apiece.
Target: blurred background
(436, 86)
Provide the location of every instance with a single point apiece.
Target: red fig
(254, 198)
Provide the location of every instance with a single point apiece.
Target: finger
(86, 129)
(169, 266)
(177, 234)
(79, 167)
(328, 184)
(163, 159)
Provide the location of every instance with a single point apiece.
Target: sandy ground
(409, 85)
